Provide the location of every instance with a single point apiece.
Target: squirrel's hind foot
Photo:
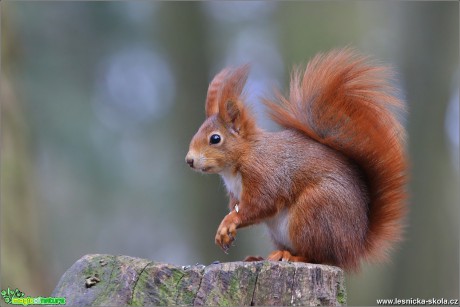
(278, 255)
(284, 255)
(253, 258)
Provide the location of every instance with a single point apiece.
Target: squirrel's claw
(226, 234)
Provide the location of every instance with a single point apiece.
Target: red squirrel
(331, 185)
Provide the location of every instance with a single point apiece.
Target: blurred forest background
(99, 101)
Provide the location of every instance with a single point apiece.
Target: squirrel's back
(320, 195)
(345, 102)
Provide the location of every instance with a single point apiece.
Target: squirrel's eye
(214, 139)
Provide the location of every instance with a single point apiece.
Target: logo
(16, 297)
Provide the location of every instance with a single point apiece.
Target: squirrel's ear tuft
(214, 92)
(234, 84)
(232, 89)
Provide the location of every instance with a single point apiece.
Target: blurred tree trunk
(431, 255)
(190, 64)
(22, 261)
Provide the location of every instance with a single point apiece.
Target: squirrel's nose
(189, 162)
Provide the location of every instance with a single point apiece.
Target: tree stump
(121, 280)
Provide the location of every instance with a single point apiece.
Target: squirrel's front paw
(226, 233)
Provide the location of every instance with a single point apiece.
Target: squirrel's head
(228, 127)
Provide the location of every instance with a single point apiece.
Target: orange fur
(331, 186)
(214, 92)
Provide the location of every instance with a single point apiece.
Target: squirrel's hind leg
(284, 255)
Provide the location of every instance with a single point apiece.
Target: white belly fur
(278, 227)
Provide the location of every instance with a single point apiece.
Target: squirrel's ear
(230, 107)
(232, 111)
(232, 114)
(214, 92)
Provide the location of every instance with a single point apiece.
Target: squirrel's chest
(233, 183)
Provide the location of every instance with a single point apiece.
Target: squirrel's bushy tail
(345, 102)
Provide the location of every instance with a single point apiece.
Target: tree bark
(122, 280)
